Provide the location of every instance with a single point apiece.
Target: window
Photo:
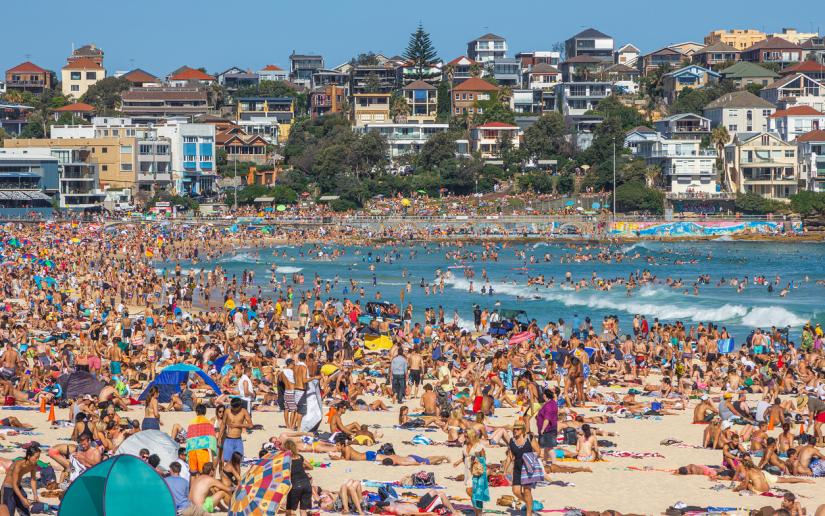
(458, 96)
(145, 150)
(104, 150)
(115, 132)
(75, 87)
(130, 132)
(190, 139)
(732, 128)
(470, 96)
(766, 112)
(75, 76)
(125, 167)
(789, 154)
(104, 168)
(126, 149)
(91, 76)
(190, 158)
(766, 140)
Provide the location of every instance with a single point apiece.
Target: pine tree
(420, 52)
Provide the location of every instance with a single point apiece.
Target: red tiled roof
(475, 84)
(773, 43)
(28, 66)
(82, 64)
(190, 74)
(493, 125)
(459, 59)
(273, 68)
(78, 107)
(813, 136)
(805, 67)
(139, 76)
(796, 111)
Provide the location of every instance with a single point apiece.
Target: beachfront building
(794, 36)
(667, 56)
(487, 139)
(466, 95)
(272, 72)
(113, 156)
(404, 139)
(371, 108)
(302, 66)
(270, 117)
(326, 100)
(542, 76)
(462, 68)
(795, 121)
(186, 76)
(577, 98)
(590, 42)
(79, 186)
(29, 179)
(29, 77)
(739, 111)
(737, 38)
(693, 77)
(716, 54)
(536, 57)
(78, 75)
(811, 152)
(487, 48)
(151, 104)
(773, 50)
(794, 90)
(243, 147)
(422, 102)
(686, 168)
(743, 74)
(141, 78)
(14, 117)
(762, 163)
(627, 55)
(192, 147)
(684, 126)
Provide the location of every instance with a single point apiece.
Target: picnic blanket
(632, 455)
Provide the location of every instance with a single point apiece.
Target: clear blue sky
(161, 35)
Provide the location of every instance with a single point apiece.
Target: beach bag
(386, 449)
(476, 468)
(423, 479)
(532, 471)
(570, 436)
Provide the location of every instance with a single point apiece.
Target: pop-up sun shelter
(121, 486)
(169, 380)
(157, 442)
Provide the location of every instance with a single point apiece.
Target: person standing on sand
(234, 422)
(398, 374)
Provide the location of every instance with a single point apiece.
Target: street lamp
(235, 182)
(614, 179)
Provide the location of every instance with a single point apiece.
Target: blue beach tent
(169, 380)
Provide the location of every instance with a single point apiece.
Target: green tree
(753, 203)
(443, 107)
(438, 150)
(105, 95)
(546, 138)
(493, 110)
(420, 52)
(807, 202)
(635, 196)
(626, 116)
(399, 108)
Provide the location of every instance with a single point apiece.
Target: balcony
(25, 84)
(148, 177)
(702, 153)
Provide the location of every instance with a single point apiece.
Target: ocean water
(797, 264)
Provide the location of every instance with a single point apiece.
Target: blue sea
(797, 264)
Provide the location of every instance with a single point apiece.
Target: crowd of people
(88, 300)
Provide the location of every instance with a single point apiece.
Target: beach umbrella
(569, 203)
(121, 486)
(596, 205)
(263, 487)
(268, 208)
(280, 207)
(405, 202)
(422, 192)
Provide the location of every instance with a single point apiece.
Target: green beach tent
(121, 486)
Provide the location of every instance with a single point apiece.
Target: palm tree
(475, 70)
(399, 109)
(449, 71)
(652, 175)
(720, 137)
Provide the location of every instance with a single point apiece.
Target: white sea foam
(240, 258)
(665, 310)
(288, 270)
(766, 316)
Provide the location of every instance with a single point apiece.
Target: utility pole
(614, 179)
(235, 180)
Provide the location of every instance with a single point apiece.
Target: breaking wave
(240, 258)
(643, 303)
(288, 270)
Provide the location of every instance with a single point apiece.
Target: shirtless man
(429, 400)
(301, 380)
(109, 393)
(9, 362)
(115, 359)
(207, 492)
(12, 496)
(234, 422)
(799, 459)
(704, 411)
(287, 376)
(771, 457)
(336, 424)
(416, 362)
(86, 454)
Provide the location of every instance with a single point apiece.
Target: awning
(18, 174)
(329, 198)
(264, 199)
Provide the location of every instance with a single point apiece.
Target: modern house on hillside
(590, 42)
